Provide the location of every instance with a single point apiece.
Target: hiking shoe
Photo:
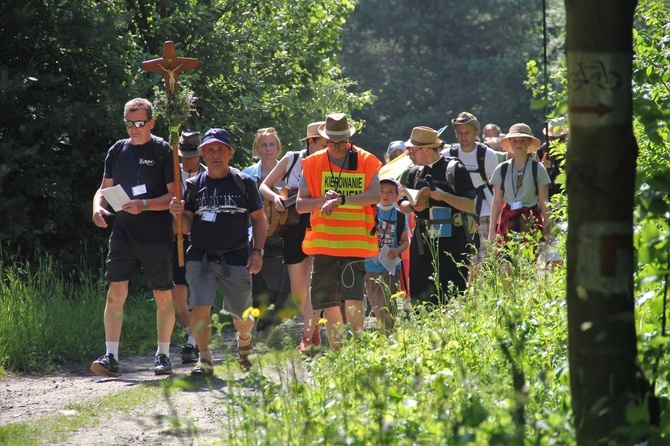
(204, 367)
(162, 365)
(189, 354)
(106, 366)
(244, 355)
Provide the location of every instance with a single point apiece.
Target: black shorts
(124, 260)
(179, 272)
(292, 251)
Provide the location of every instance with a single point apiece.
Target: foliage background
(68, 67)
(428, 61)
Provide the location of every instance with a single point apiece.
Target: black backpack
(533, 169)
(156, 145)
(481, 169)
(192, 188)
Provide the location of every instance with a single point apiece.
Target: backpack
(481, 169)
(533, 169)
(295, 156)
(156, 143)
(468, 220)
(192, 188)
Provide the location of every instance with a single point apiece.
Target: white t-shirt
(469, 159)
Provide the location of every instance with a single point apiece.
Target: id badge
(139, 190)
(515, 205)
(209, 216)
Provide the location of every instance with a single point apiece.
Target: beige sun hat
(336, 127)
(423, 137)
(520, 130)
(313, 130)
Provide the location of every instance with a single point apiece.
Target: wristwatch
(145, 205)
(261, 250)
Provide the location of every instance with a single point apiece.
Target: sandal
(244, 355)
(204, 367)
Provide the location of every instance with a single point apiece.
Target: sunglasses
(337, 144)
(138, 124)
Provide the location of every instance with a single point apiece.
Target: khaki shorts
(203, 277)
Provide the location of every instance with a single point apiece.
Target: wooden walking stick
(171, 65)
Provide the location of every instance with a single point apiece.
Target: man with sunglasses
(340, 187)
(142, 234)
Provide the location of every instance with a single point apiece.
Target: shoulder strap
(191, 186)
(453, 150)
(157, 143)
(295, 156)
(399, 224)
(503, 174)
(239, 182)
(481, 161)
(451, 173)
(533, 168)
(116, 150)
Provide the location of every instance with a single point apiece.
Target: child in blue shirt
(392, 233)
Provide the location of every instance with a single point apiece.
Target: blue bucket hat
(396, 145)
(216, 135)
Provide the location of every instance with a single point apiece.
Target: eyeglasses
(337, 144)
(413, 151)
(138, 124)
(519, 179)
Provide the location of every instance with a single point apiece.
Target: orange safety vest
(347, 232)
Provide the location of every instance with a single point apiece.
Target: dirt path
(193, 416)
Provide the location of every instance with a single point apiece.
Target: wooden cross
(170, 65)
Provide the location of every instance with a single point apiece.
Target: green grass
(58, 428)
(489, 368)
(47, 319)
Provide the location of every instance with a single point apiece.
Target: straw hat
(313, 130)
(519, 130)
(423, 137)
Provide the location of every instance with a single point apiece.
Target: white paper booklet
(390, 265)
(115, 196)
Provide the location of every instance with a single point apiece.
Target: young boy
(393, 236)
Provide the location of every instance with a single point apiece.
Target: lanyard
(212, 200)
(132, 162)
(515, 182)
(339, 177)
(382, 235)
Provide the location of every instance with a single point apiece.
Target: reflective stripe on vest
(345, 232)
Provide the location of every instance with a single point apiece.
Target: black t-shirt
(141, 165)
(221, 215)
(438, 171)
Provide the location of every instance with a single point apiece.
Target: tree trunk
(601, 161)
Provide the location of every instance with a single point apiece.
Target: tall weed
(462, 373)
(47, 318)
